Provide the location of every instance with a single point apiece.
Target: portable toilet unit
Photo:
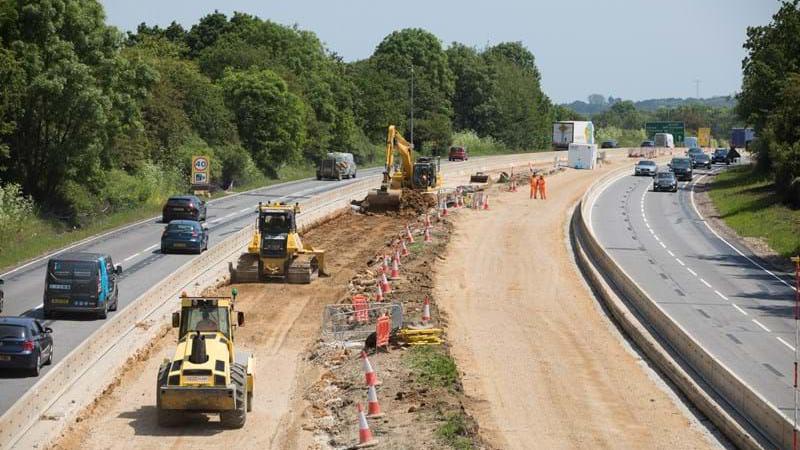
(582, 156)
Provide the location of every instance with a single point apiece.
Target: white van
(664, 140)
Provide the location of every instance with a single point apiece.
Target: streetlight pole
(412, 105)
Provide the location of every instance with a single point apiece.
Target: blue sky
(634, 49)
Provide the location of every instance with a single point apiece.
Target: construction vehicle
(422, 176)
(479, 177)
(276, 250)
(206, 374)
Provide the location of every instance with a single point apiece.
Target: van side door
(103, 274)
(112, 276)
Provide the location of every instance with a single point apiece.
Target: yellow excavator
(422, 176)
(276, 250)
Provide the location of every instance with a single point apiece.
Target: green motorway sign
(676, 129)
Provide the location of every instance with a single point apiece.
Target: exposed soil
(281, 322)
(543, 366)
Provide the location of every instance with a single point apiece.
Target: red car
(458, 153)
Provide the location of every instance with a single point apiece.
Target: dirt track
(281, 322)
(544, 368)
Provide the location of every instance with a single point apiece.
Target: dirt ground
(543, 367)
(282, 322)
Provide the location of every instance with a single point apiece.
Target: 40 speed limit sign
(201, 170)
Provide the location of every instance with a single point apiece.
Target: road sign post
(201, 175)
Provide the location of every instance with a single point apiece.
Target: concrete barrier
(31, 406)
(743, 415)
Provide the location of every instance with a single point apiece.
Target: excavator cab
(426, 171)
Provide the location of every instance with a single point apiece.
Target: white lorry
(572, 132)
(664, 140)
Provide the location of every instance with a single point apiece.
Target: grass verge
(454, 431)
(748, 203)
(433, 366)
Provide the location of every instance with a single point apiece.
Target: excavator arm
(396, 142)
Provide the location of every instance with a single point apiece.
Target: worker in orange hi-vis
(542, 190)
(534, 186)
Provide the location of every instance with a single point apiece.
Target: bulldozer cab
(206, 315)
(425, 173)
(277, 218)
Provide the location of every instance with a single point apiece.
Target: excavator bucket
(479, 177)
(380, 200)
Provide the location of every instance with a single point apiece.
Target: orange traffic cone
(369, 374)
(404, 251)
(427, 220)
(373, 407)
(428, 239)
(395, 270)
(486, 202)
(385, 287)
(444, 210)
(426, 310)
(409, 236)
(378, 294)
(365, 438)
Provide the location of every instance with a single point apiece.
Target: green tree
(473, 102)
(270, 119)
(78, 93)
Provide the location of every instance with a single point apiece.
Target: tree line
(93, 121)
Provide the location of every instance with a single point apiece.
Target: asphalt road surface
(737, 310)
(137, 249)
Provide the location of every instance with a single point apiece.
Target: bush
(477, 145)
(237, 166)
(15, 209)
(624, 138)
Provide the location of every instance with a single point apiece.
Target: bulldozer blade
(245, 270)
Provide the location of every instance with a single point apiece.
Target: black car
(720, 156)
(648, 144)
(611, 143)
(184, 236)
(682, 168)
(25, 343)
(184, 207)
(1, 295)
(694, 152)
(665, 181)
(701, 160)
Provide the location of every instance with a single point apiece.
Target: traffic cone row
(404, 250)
(428, 238)
(385, 287)
(370, 376)
(365, 438)
(427, 220)
(409, 236)
(395, 275)
(426, 310)
(379, 294)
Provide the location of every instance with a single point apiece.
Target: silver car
(645, 167)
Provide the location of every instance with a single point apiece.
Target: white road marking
(651, 231)
(785, 343)
(691, 271)
(217, 220)
(670, 253)
(761, 325)
(662, 244)
(680, 262)
(131, 257)
(229, 215)
(739, 309)
(720, 294)
(697, 211)
(243, 210)
(705, 282)
(151, 247)
(656, 236)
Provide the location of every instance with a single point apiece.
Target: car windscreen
(72, 270)
(178, 202)
(701, 157)
(180, 228)
(681, 163)
(12, 331)
(647, 163)
(206, 319)
(720, 151)
(664, 175)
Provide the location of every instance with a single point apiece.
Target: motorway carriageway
(137, 249)
(720, 294)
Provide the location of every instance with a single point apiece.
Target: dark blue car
(25, 344)
(184, 236)
(81, 283)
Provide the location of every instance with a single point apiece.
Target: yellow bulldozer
(206, 373)
(276, 250)
(422, 176)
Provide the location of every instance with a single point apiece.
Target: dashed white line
(215, 220)
(721, 295)
(151, 247)
(705, 282)
(785, 343)
(229, 215)
(670, 253)
(761, 325)
(131, 257)
(651, 231)
(680, 262)
(740, 309)
(245, 210)
(691, 271)
(662, 244)
(656, 236)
